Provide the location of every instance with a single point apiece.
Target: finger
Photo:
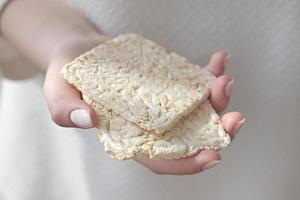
(220, 92)
(65, 104)
(232, 122)
(186, 166)
(217, 63)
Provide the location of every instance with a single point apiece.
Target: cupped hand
(232, 122)
(69, 110)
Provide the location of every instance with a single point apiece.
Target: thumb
(64, 101)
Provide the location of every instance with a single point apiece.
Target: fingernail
(227, 59)
(238, 126)
(210, 164)
(81, 118)
(228, 88)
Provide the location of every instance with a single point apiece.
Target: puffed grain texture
(140, 81)
(122, 139)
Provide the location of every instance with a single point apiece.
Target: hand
(232, 122)
(64, 101)
(69, 110)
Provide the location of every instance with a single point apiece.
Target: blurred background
(263, 38)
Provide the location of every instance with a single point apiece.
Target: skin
(50, 33)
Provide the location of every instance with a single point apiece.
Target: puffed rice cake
(148, 100)
(140, 80)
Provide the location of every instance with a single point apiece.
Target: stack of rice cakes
(148, 100)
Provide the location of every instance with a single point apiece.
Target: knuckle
(225, 77)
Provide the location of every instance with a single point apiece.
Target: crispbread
(140, 81)
(201, 129)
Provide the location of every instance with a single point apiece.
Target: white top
(39, 160)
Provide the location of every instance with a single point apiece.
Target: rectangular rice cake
(140, 81)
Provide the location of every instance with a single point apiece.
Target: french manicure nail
(228, 88)
(210, 164)
(81, 118)
(227, 59)
(238, 126)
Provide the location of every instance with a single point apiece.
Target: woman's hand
(232, 122)
(64, 101)
(69, 110)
